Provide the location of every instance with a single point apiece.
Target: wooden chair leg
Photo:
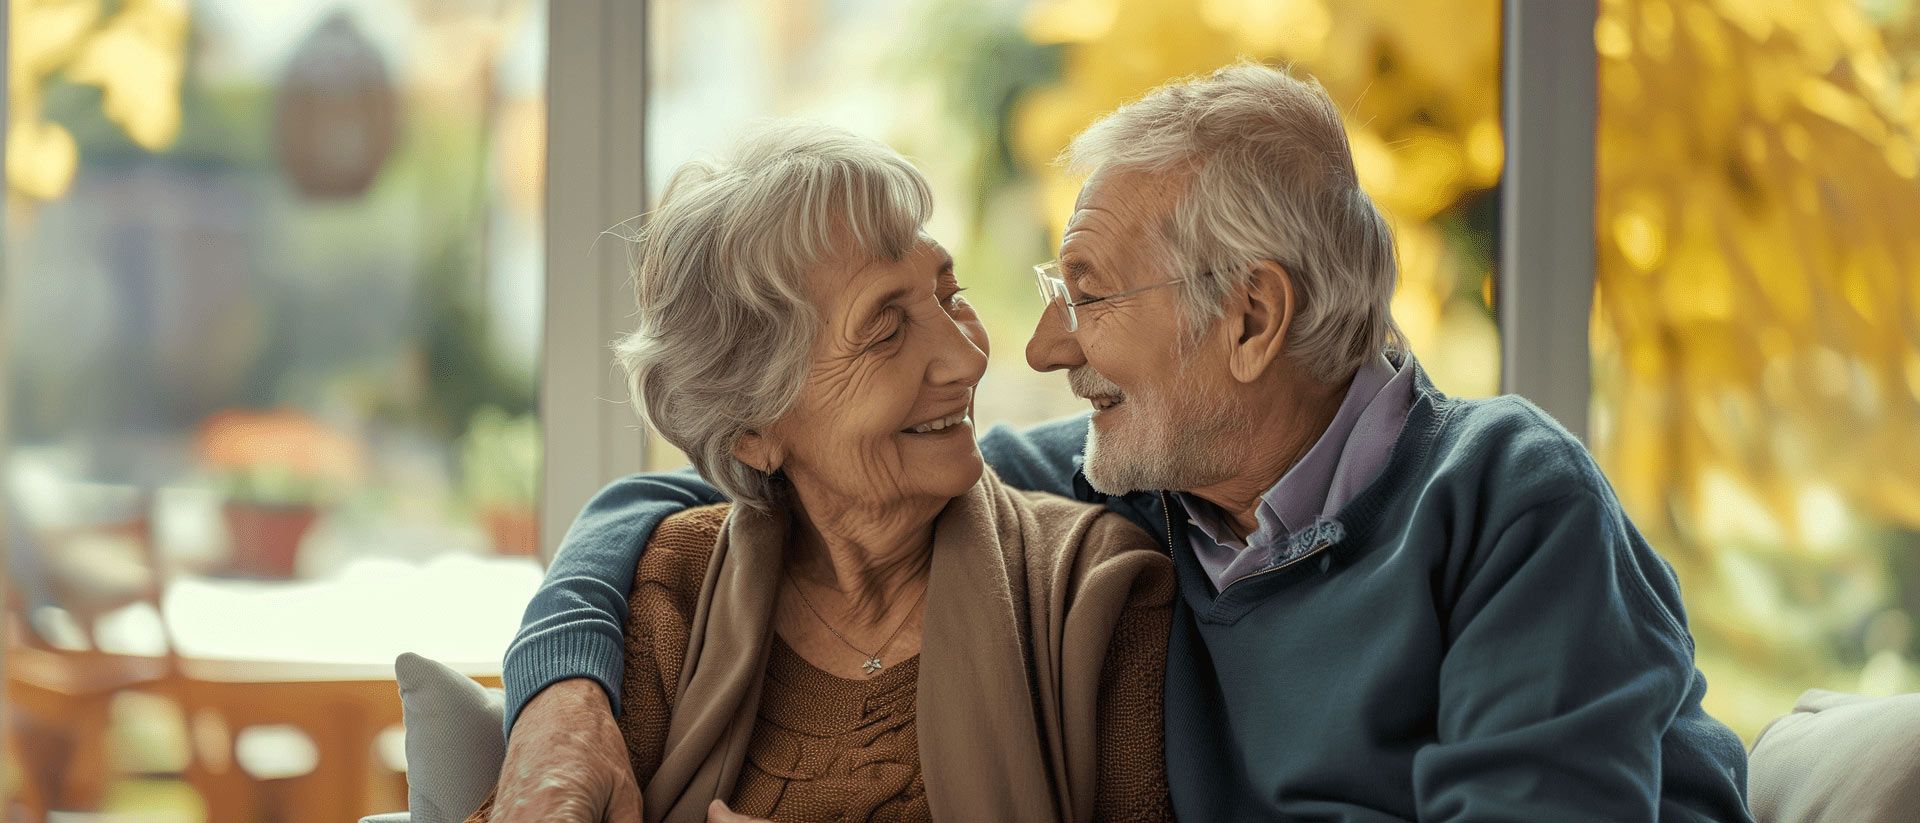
(84, 785)
(39, 780)
(337, 787)
(227, 792)
(28, 801)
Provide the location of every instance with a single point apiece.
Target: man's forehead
(1130, 195)
(1114, 211)
(1091, 233)
(1086, 190)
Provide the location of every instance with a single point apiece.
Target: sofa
(1836, 758)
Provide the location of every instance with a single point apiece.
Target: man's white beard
(1182, 441)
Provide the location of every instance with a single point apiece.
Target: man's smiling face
(1157, 408)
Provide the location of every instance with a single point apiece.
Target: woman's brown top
(827, 747)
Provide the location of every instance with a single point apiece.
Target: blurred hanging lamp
(336, 114)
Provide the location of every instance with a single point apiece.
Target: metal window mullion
(596, 91)
(1549, 85)
(7, 295)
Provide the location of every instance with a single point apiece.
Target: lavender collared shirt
(1349, 455)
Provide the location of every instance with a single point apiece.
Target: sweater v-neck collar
(1353, 525)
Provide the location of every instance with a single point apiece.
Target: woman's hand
(566, 761)
(717, 812)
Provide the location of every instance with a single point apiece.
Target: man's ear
(1260, 317)
(759, 451)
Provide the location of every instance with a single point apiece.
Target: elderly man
(1394, 604)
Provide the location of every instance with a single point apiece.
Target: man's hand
(717, 812)
(566, 761)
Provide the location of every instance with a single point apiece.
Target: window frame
(1544, 288)
(595, 180)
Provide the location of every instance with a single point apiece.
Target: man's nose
(1053, 347)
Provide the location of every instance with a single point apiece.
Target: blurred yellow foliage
(137, 58)
(1758, 323)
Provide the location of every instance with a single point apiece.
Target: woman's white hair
(725, 328)
(1267, 174)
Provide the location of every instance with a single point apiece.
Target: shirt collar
(1299, 497)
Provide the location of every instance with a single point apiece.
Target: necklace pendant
(872, 665)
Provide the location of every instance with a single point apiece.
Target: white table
(459, 609)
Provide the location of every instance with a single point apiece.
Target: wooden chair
(60, 706)
(59, 700)
(343, 708)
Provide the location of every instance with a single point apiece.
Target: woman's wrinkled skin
(898, 348)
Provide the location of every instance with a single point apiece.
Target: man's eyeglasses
(1053, 288)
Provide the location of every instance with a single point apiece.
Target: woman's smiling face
(886, 413)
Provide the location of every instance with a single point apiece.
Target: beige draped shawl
(1025, 592)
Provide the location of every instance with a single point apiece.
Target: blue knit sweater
(1481, 634)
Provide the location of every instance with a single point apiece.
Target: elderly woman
(876, 628)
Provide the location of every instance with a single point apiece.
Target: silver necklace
(873, 664)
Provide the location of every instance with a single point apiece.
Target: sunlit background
(1756, 331)
(275, 280)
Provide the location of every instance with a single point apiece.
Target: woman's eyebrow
(871, 309)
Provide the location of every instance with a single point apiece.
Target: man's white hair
(726, 329)
(1265, 173)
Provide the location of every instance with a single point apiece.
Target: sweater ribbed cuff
(542, 660)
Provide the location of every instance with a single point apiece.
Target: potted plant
(279, 470)
(500, 476)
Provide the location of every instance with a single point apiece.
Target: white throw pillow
(454, 741)
(1839, 758)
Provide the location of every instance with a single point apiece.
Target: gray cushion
(454, 743)
(1838, 758)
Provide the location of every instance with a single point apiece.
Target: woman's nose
(959, 358)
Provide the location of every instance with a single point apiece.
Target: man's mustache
(1087, 383)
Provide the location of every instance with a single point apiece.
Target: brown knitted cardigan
(1131, 778)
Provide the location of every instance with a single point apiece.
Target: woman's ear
(759, 451)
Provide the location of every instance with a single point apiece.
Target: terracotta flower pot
(514, 529)
(266, 539)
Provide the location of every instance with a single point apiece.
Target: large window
(982, 96)
(1756, 332)
(273, 307)
(285, 254)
